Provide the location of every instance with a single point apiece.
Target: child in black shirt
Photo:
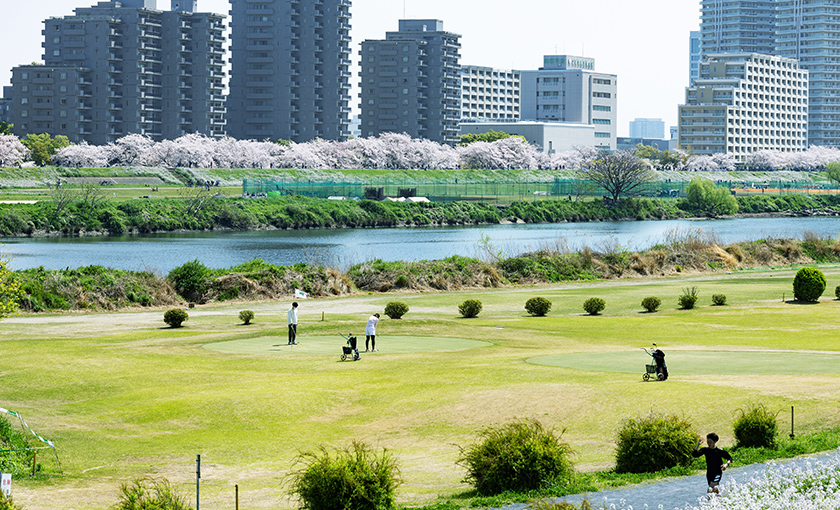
(714, 460)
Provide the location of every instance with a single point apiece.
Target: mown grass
(125, 397)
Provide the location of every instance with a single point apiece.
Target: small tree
(704, 197)
(396, 309)
(43, 146)
(355, 478)
(175, 317)
(470, 308)
(808, 284)
(519, 456)
(619, 173)
(538, 306)
(246, 316)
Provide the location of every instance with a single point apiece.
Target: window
(24, 113)
(602, 135)
(24, 76)
(63, 76)
(601, 108)
(56, 40)
(24, 100)
(602, 94)
(24, 88)
(601, 81)
(63, 88)
(62, 113)
(601, 121)
(56, 53)
(405, 91)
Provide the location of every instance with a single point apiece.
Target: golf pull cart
(656, 370)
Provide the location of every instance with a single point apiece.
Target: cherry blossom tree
(12, 151)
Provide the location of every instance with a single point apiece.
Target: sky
(643, 42)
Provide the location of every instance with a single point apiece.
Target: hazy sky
(644, 42)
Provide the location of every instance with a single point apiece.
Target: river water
(344, 247)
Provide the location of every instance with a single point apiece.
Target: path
(674, 493)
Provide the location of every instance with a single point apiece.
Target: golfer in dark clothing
(714, 461)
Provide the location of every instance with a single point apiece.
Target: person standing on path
(370, 332)
(714, 460)
(293, 320)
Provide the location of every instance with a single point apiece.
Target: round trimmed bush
(808, 284)
(755, 427)
(538, 306)
(246, 316)
(519, 456)
(719, 299)
(654, 443)
(354, 478)
(470, 308)
(594, 306)
(175, 317)
(651, 303)
(396, 309)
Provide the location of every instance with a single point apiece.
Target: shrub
(594, 306)
(18, 460)
(246, 316)
(519, 456)
(396, 309)
(719, 299)
(538, 306)
(6, 502)
(755, 427)
(837, 292)
(401, 281)
(150, 494)
(808, 284)
(552, 504)
(651, 303)
(470, 308)
(355, 478)
(175, 317)
(688, 298)
(190, 280)
(653, 443)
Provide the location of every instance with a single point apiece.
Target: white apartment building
(489, 94)
(567, 89)
(743, 103)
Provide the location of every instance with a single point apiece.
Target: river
(342, 248)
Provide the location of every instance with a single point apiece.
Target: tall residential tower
(289, 75)
(123, 67)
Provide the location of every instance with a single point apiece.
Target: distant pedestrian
(370, 332)
(293, 321)
(714, 460)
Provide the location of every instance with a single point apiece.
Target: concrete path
(674, 493)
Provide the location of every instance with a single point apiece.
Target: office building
(567, 89)
(489, 94)
(694, 55)
(6, 105)
(744, 103)
(647, 128)
(738, 26)
(290, 76)
(124, 67)
(411, 82)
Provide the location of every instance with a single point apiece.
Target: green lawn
(123, 396)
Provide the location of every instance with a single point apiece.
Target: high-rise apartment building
(693, 55)
(808, 31)
(289, 75)
(123, 67)
(567, 89)
(489, 94)
(743, 103)
(411, 82)
(737, 26)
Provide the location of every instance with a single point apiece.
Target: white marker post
(6, 484)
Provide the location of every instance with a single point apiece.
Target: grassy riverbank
(125, 397)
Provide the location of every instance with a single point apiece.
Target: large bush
(651, 303)
(519, 456)
(354, 478)
(150, 495)
(594, 306)
(808, 284)
(755, 427)
(190, 280)
(653, 443)
(704, 197)
(470, 308)
(175, 317)
(538, 306)
(396, 309)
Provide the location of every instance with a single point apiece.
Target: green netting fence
(501, 192)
